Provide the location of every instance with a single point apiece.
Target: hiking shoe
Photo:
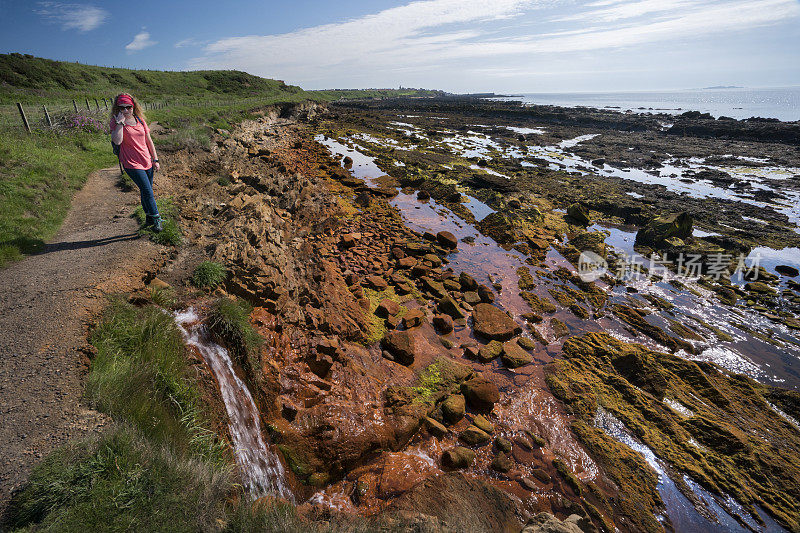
(148, 221)
(158, 226)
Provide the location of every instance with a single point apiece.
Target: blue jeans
(144, 180)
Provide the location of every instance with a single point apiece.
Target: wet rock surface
(432, 355)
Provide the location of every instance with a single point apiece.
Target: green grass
(171, 234)
(40, 174)
(121, 481)
(140, 376)
(27, 78)
(209, 274)
(230, 320)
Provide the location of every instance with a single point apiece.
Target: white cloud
(453, 39)
(397, 31)
(140, 42)
(81, 17)
(189, 42)
(730, 16)
(628, 10)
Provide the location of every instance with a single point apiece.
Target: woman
(137, 154)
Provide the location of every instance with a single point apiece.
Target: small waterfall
(261, 470)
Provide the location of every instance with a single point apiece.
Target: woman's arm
(153, 154)
(116, 134)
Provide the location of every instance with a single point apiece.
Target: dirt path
(45, 301)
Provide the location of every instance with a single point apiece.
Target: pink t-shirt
(133, 152)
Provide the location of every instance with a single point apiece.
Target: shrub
(209, 274)
(82, 122)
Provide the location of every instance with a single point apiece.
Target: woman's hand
(157, 166)
(120, 118)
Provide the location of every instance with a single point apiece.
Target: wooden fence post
(47, 116)
(24, 118)
(105, 101)
(97, 104)
(75, 106)
(87, 105)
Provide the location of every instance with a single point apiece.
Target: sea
(782, 103)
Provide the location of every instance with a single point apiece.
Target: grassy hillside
(30, 79)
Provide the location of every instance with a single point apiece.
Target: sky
(502, 46)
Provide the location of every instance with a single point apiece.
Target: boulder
(502, 463)
(526, 343)
(449, 307)
(443, 323)
(787, 270)
(759, 287)
(377, 283)
(579, 213)
(406, 262)
(499, 227)
(514, 356)
(468, 283)
(387, 308)
(401, 345)
(447, 240)
(485, 294)
(458, 457)
(472, 297)
(433, 287)
(547, 523)
(474, 436)
(492, 323)
(502, 444)
(490, 352)
(481, 423)
(413, 318)
(481, 393)
(435, 428)
(660, 229)
(453, 408)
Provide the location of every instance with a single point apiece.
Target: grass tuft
(230, 321)
(140, 376)
(121, 481)
(125, 183)
(171, 234)
(209, 274)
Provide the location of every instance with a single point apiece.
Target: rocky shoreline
(432, 355)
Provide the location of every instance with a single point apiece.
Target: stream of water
(260, 468)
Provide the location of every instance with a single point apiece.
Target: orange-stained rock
(492, 323)
(481, 393)
(447, 240)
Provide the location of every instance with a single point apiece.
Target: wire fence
(50, 115)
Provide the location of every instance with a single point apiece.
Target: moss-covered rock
(748, 450)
